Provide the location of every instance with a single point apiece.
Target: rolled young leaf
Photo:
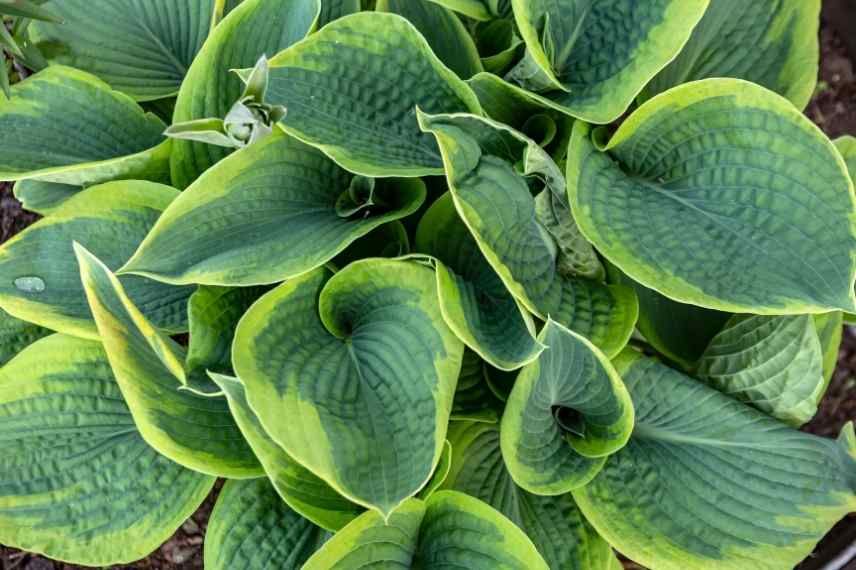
(489, 169)
(15, 335)
(252, 529)
(263, 215)
(41, 281)
(100, 134)
(369, 128)
(709, 483)
(192, 429)
(80, 483)
(140, 47)
(448, 530)
(567, 412)
(726, 174)
(334, 365)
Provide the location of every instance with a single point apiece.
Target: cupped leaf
(591, 59)
(448, 530)
(304, 492)
(267, 213)
(489, 168)
(335, 9)
(352, 360)
(253, 29)
(15, 335)
(554, 524)
(70, 127)
(707, 482)
(80, 484)
(43, 197)
(168, 406)
(498, 44)
(474, 301)
(251, 528)
(41, 281)
(449, 39)
(369, 128)
(726, 174)
(829, 331)
(140, 47)
(773, 43)
(567, 412)
(772, 363)
(474, 400)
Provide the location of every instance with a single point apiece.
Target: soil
(833, 109)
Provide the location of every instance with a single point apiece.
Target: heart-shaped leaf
(354, 359)
(80, 484)
(709, 483)
(733, 166)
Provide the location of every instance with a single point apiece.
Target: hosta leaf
(253, 29)
(194, 430)
(449, 39)
(474, 301)
(449, 530)
(304, 492)
(140, 47)
(252, 529)
(846, 145)
(829, 331)
(474, 399)
(361, 357)
(498, 44)
(335, 9)
(80, 484)
(26, 9)
(555, 524)
(567, 412)
(475, 9)
(15, 335)
(590, 59)
(493, 198)
(99, 134)
(41, 281)
(263, 215)
(720, 173)
(709, 483)
(369, 128)
(773, 43)
(43, 197)
(388, 240)
(773, 363)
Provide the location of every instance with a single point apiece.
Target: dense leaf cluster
(485, 284)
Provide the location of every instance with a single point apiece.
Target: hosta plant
(479, 284)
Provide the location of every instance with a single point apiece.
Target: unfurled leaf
(40, 279)
(167, 404)
(16, 335)
(383, 369)
(81, 484)
(568, 411)
(709, 483)
(720, 173)
(280, 184)
(449, 529)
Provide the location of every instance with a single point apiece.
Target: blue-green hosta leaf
(448, 530)
(709, 483)
(829, 331)
(355, 359)
(43, 197)
(567, 412)
(370, 127)
(445, 32)
(335, 9)
(773, 363)
(498, 44)
(265, 214)
(304, 492)
(79, 483)
(41, 281)
(474, 400)
(15, 335)
(474, 301)
(168, 405)
(484, 160)
(590, 59)
(140, 47)
(720, 173)
(773, 43)
(70, 127)
(252, 529)
(253, 29)
(555, 524)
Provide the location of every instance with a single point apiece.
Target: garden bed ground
(833, 109)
